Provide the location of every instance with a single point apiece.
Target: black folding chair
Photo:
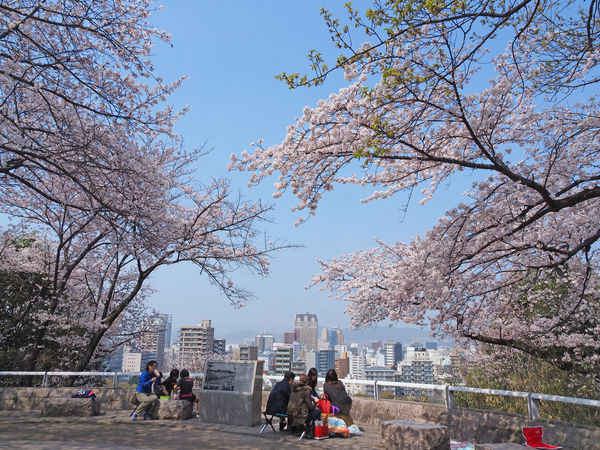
(269, 419)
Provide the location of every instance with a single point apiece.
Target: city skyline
(343, 224)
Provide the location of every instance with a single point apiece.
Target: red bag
(321, 430)
(324, 404)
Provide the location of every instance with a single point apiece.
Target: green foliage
(23, 295)
(516, 371)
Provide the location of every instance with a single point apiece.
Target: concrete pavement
(115, 430)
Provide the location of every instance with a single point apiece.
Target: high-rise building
(324, 334)
(325, 361)
(219, 346)
(283, 360)
(264, 342)
(167, 322)
(358, 364)
(381, 374)
(298, 367)
(392, 353)
(152, 340)
(342, 366)
(196, 340)
(307, 327)
(248, 353)
(376, 345)
(416, 371)
(290, 337)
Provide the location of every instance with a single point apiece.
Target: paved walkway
(114, 430)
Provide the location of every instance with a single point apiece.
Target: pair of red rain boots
(533, 438)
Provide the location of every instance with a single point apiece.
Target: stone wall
(464, 424)
(29, 398)
(472, 425)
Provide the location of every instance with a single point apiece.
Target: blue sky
(231, 54)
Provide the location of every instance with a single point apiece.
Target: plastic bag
(354, 430)
(337, 427)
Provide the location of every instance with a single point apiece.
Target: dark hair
(184, 373)
(150, 363)
(289, 375)
(331, 376)
(174, 374)
(311, 373)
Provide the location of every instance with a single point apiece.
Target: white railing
(533, 399)
(114, 375)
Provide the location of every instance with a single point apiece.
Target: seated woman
(147, 401)
(301, 408)
(338, 396)
(184, 386)
(171, 381)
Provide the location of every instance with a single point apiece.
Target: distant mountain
(238, 336)
(403, 334)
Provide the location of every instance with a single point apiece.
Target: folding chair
(533, 438)
(269, 419)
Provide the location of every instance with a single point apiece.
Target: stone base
(80, 407)
(402, 434)
(174, 410)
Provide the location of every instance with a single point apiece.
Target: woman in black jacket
(338, 396)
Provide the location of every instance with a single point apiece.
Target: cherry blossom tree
(96, 182)
(96, 274)
(78, 96)
(502, 90)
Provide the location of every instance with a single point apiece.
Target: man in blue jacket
(148, 401)
(280, 396)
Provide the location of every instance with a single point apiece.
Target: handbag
(133, 400)
(324, 404)
(321, 430)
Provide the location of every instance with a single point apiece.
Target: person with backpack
(148, 400)
(184, 387)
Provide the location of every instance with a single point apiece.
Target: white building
(132, 362)
(358, 364)
(307, 327)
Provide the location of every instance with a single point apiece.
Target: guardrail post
(449, 397)
(533, 407)
(375, 390)
(45, 382)
(115, 380)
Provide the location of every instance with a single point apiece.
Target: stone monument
(232, 392)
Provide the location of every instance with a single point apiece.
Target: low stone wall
(29, 398)
(472, 425)
(464, 424)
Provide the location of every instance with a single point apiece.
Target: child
(184, 386)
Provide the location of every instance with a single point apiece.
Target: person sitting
(148, 401)
(184, 387)
(280, 396)
(301, 407)
(171, 381)
(313, 376)
(338, 396)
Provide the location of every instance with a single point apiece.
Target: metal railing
(114, 375)
(533, 399)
